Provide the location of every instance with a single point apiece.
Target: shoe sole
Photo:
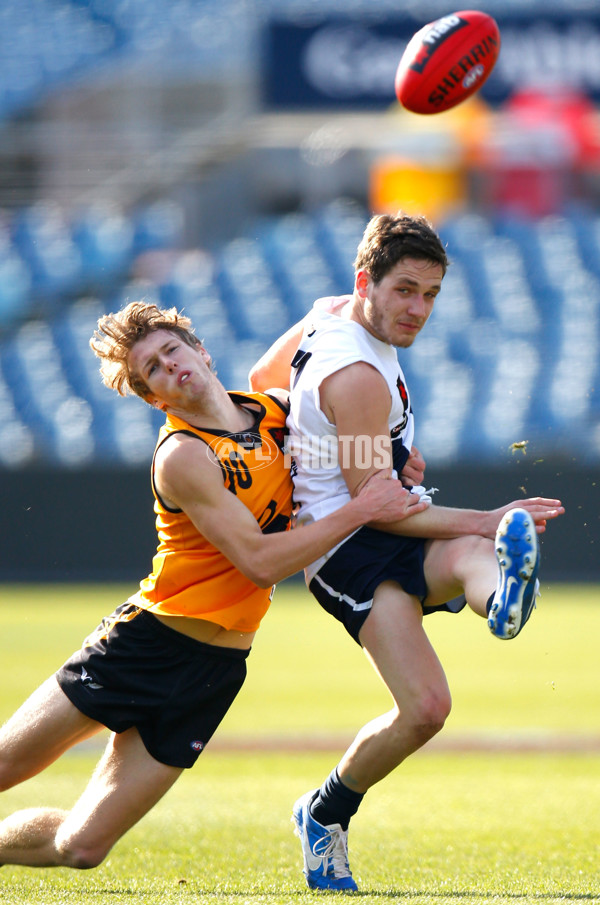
(518, 560)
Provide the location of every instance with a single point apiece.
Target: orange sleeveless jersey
(191, 577)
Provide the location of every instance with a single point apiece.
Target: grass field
(503, 807)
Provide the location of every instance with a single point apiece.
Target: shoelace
(424, 495)
(334, 847)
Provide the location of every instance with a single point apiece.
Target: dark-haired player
(350, 419)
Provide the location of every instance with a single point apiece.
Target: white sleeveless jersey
(330, 343)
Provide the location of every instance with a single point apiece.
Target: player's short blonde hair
(116, 334)
(388, 239)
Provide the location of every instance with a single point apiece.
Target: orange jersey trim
(190, 576)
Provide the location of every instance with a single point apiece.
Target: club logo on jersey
(403, 393)
(240, 454)
(280, 435)
(249, 440)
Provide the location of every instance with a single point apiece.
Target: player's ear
(361, 282)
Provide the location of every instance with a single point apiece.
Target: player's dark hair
(116, 335)
(388, 239)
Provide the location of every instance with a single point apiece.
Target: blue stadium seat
(254, 302)
(104, 237)
(17, 442)
(134, 428)
(246, 353)
(47, 402)
(42, 237)
(158, 225)
(442, 418)
(505, 414)
(338, 229)
(15, 286)
(44, 43)
(297, 262)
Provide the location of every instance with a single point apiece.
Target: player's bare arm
(188, 479)
(273, 368)
(356, 400)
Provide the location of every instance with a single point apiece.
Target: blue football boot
(324, 848)
(518, 563)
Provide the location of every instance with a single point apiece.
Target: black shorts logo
(88, 681)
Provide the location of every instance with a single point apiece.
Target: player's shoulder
(179, 449)
(332, 304)
(279, 397)
(186, 469)
(334, 336)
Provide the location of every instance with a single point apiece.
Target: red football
(447, 61)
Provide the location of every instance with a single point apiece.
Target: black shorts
(346, 584)
(136, 671)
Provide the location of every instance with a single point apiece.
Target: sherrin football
(447, 61)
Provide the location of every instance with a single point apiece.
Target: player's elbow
(258, 560)
(265, 574)
(261, 573)
(257, 378)
(264, 581)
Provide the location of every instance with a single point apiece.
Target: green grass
(498, 826)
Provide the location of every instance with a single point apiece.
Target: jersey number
(237, 472)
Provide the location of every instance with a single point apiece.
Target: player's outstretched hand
(540, 509)
(386, 500)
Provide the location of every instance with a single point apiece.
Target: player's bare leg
(506, 569)
(42, 729)
(395, 641)
(462, 565)
(126, 784)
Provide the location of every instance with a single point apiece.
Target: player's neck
(355, 311)
(215, 409)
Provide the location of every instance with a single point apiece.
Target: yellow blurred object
(427, 173)
(398, 183)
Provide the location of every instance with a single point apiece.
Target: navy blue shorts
(346, 584)
(136, 671)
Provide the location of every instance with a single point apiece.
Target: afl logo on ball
(476, 73)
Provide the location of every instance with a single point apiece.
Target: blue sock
(335, 802)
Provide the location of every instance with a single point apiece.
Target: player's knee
(80, 854)
(430, 714)
(475, 547)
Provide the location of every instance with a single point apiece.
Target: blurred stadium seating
(510, 355)
(511, 352)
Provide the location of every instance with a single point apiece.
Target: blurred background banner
(349, 61)
(224, 156)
